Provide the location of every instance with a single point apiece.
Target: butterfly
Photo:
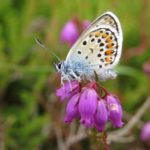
(96, 52)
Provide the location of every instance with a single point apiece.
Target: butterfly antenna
(44, 46)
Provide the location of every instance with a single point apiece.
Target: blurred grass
(27, 73)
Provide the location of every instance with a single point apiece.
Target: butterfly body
(96, 52)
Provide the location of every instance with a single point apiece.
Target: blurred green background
(29, 109)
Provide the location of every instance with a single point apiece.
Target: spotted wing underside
(99, 47)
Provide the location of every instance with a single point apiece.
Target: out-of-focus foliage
(29, 107)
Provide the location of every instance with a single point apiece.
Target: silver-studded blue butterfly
(95, 53)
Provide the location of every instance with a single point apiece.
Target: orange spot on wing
(109, 52)
(109, 45)
(104, 35)
(107, 60)
(97, 34)
(108, 40)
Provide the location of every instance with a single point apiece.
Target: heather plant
(32, 116)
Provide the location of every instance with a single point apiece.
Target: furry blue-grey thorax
(67, 72)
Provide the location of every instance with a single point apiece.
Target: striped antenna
(44, 46)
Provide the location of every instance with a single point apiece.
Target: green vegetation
(28, 80)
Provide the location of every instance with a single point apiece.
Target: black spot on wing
(100, 66)
(99, 55)
(79, 52)
(99, 40)
(92, 40)
(101, 44)
(84, 42)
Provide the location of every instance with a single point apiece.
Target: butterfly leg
(75, 76)
(62, 80)
(65, 77)
(70, 85)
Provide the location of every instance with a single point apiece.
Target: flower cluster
(146, 67)
(93, 109)
(145, 132)
(71, 31)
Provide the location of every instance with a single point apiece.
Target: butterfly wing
(98, 48)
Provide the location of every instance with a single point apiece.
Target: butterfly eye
(59, 66)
